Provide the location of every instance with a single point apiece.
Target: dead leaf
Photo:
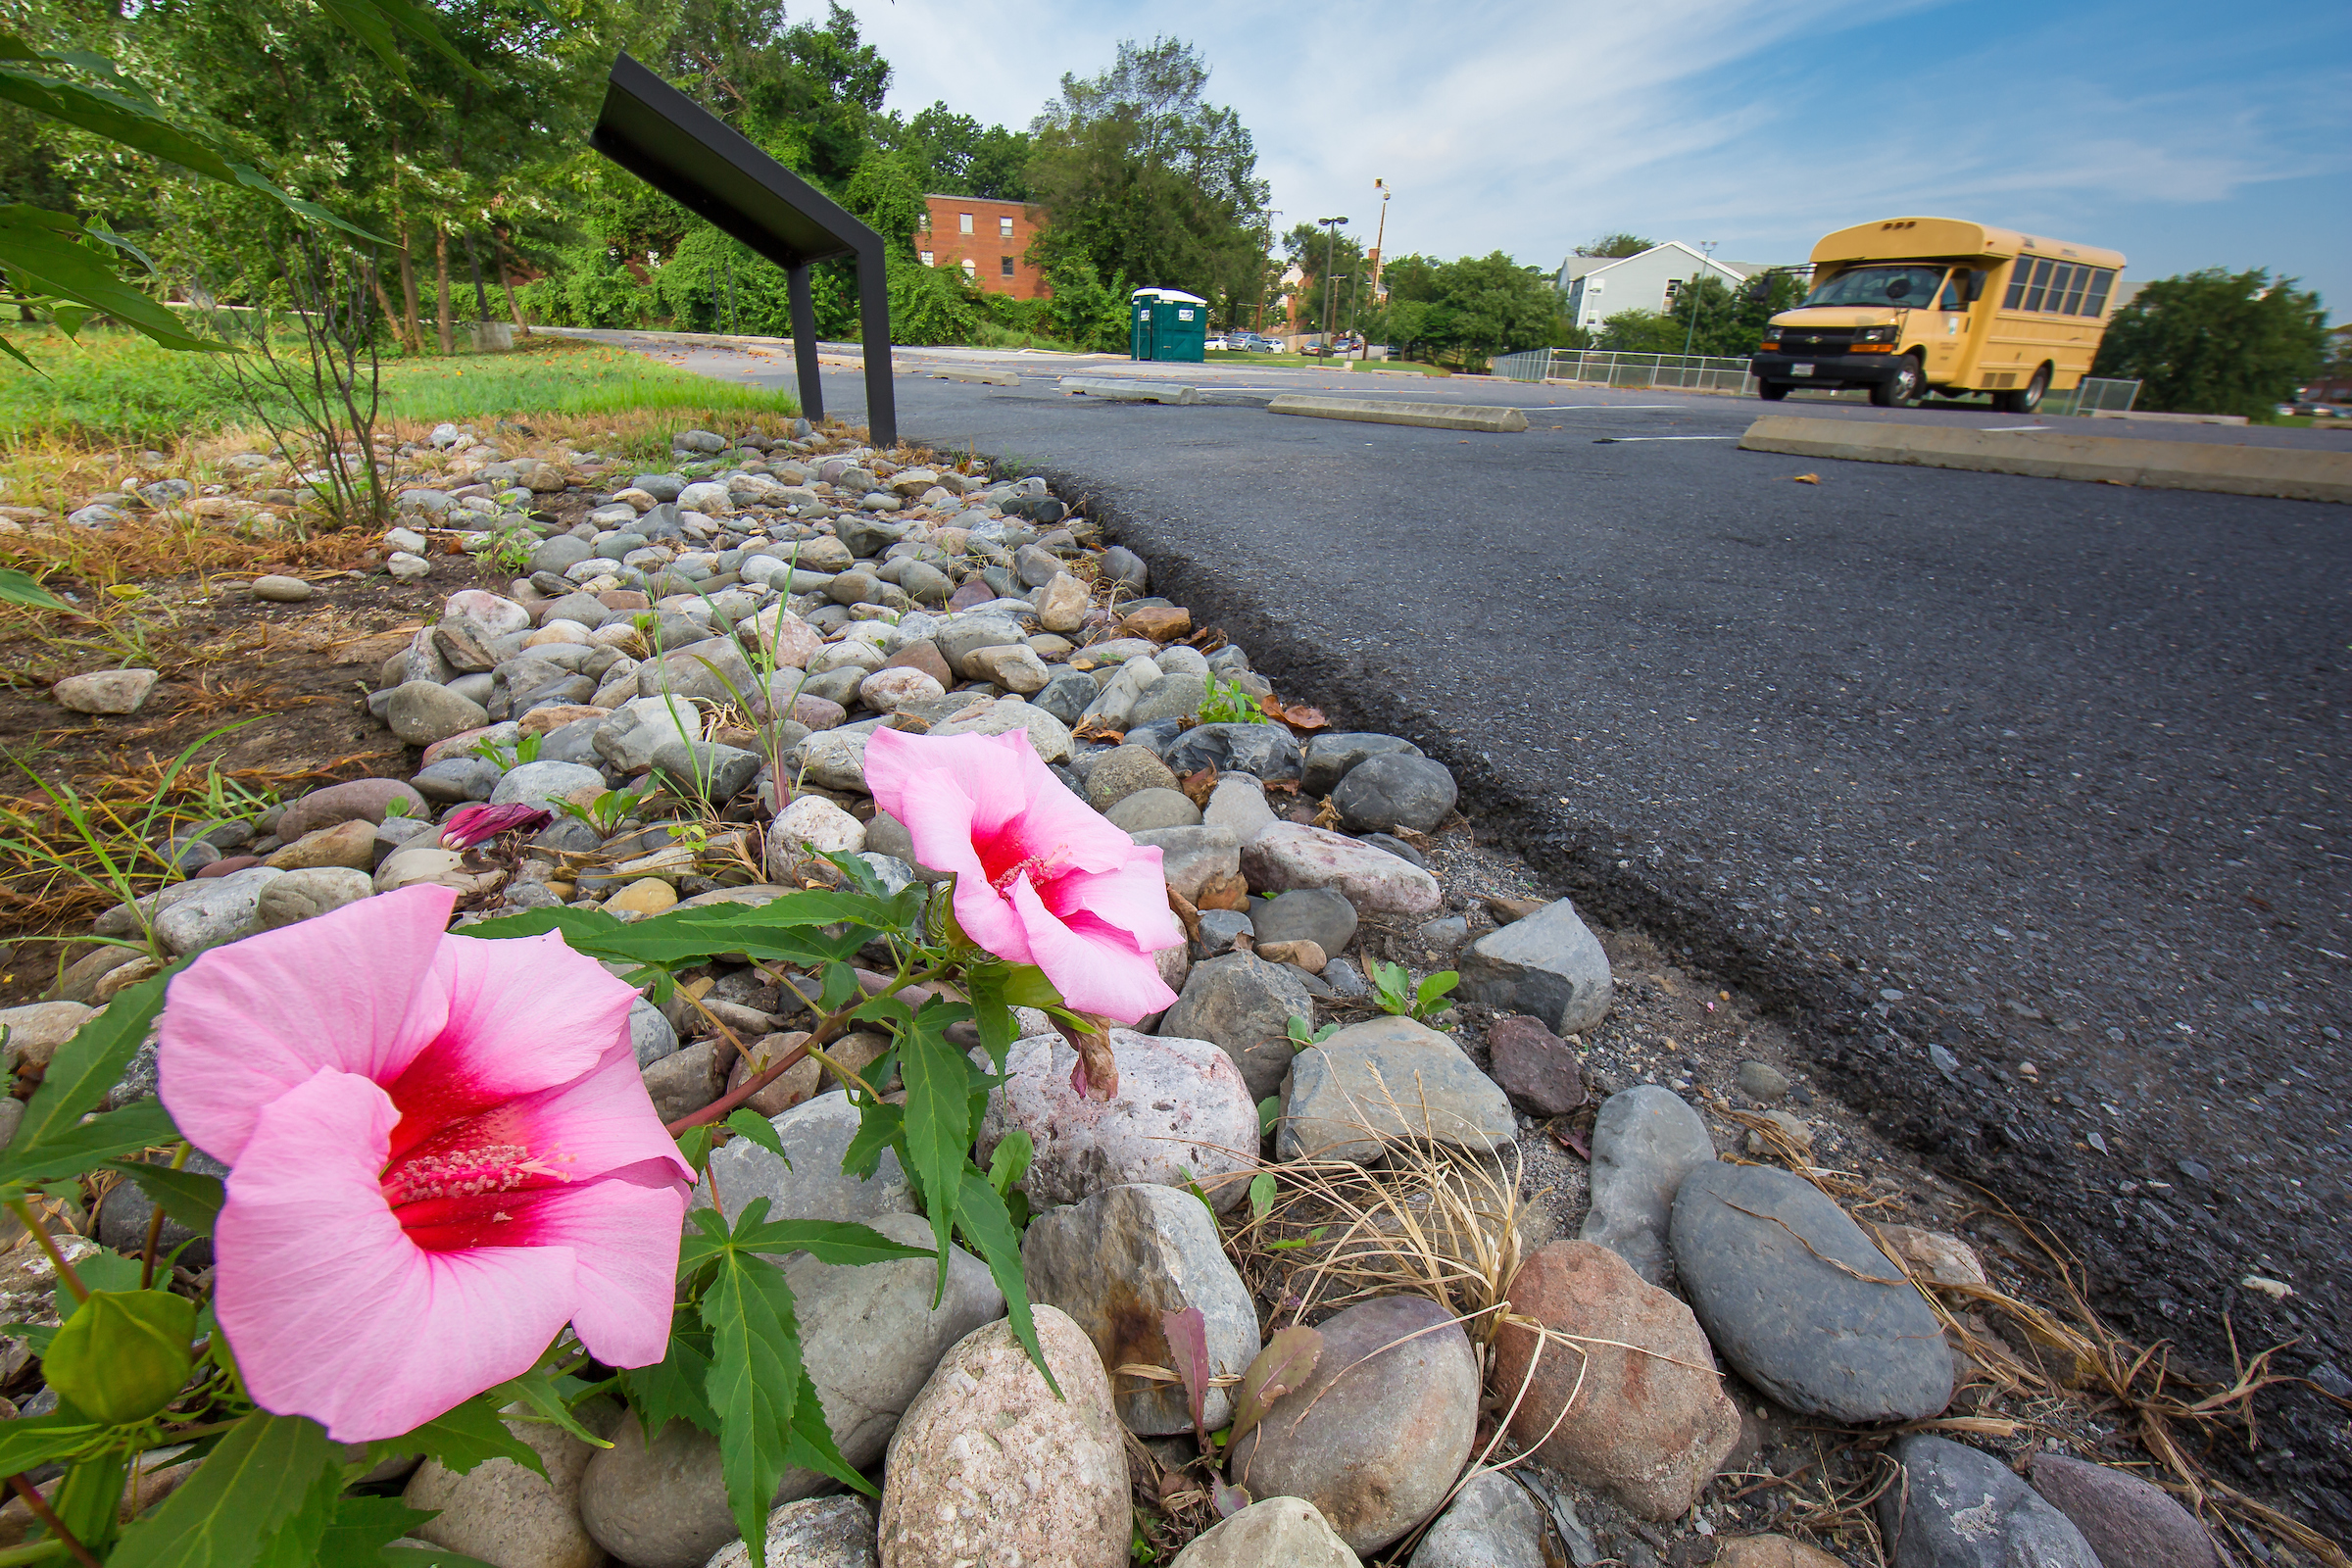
(1568, 1136)
(1187, 915)
(1228, 892)
(1286, 1363)
(1302, 717)
(1089, 729)
(1808, 479)
(1327, 815)
(1199, 786)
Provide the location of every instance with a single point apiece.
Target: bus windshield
(1912, 287)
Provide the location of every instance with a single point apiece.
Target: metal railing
(1689, 373)
(2094, 393)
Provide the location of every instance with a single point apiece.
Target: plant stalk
(40, 1232)
(155, 1224)
(56, 1525)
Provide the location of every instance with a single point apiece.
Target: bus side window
(2101, 282)
(1955, 292)
(2019, 271)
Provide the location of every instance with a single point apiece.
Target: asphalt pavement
(1962, 771)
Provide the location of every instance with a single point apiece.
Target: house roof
(1576, 266)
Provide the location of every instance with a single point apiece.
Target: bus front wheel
(2027, 398)
(1901, 389)
(1772, 391)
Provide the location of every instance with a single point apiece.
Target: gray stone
(1120, 693)
(1797, 1298)
(1172, 696)
(1150, 810)
(1377, 1083)
(501, 1513)
(1124, 566)
(1761, 1081)
(1329, 757)
(811, 1533)
(684, 1082)
(1345, 979)
(833, 759)
(1244, 1004)
(1548, 967)
(869, 1338)
(701, 771)
(282, 590)
(1491, 1524)
(1067, 695)
(560, 553)
(650, 1036)
(712, 669)
(582, 609)
(2122, 1518)
(642, 726)
(1291, 854)
(1644, 1141)
(1239, 806)
(1262, 750)
(1192, 857)
(1378, 1431)
(1321, 915)
(1383, 793)
(1118, 1260)
(1181, 1110)
(1048, 736)
(107, 691)
(543, 783)
(660, 486)
(1391, 844)
(815, 1133)
(1958, 1507)
(1278, 1533)
(1220, 929)
(966, 635)
(887, 835)
(222, 911)
(317, 889)
(1122, 772)
(421, 712)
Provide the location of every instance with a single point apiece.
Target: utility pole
(1331, 226)
(1709, 248)
(1379, 238)
(1264, 251)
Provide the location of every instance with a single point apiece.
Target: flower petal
(352, 990)
(622, 1231)
(1056, 827)
(1095, 969)
(1134, 899)
(976, 766)
(332, 1312)
(938, 814)
(598, 1122)
(525, 1013)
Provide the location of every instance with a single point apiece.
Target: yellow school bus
(1913, 305)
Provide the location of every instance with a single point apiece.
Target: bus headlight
(1874, 334)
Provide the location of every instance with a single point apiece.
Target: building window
(926, 224)
(926, 256)
(964, 222)
(1007, 264)
(1003, 228)
(971, 268)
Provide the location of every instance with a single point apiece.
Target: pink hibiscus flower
(440, 1153)
(1040, 877)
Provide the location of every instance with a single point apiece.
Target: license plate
(1800, 369)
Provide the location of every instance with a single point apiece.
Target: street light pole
(1331, 226)
(1266, 249)
(1380, 239)
(1707, 246)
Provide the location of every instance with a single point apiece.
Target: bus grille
(1816, 337)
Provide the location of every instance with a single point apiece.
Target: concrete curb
(1373, 411)
(987, 378)
(2292, 472)
(1132, 391)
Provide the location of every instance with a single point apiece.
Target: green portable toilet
(1169, 325)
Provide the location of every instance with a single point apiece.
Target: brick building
(988, 239)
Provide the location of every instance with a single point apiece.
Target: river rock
(1238, 805)
(223, 910)
(1772, 1552)
(505, 1515)
(1291, 854)
(1321, 915)
(989, 1467)
(1644, 1141)
(299, 895)
(1244, 1005)
(1646, 1430)
(1959, 1507)
(2122, 1518)
(1330, 757)
(280, 589)
(1372, 1439)
(650, 1034)
(1120, 1259)
(106, 691)
(1491, 1524)
(1384, 1081)
(1192, 859)
(1800, 1302)
(811, 1533)
(1181, 1107)
(815, 1135)
(1549, 965)
(1383, 793)
(1278, 1533)
(369, 797)
(1048, 735)
(870, 1339)
(684, 1080)
(1262, 750)
(1125, 770)
(347, 843)
(36, 1029)
(1540, 1072)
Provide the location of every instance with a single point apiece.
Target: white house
(1596, 287)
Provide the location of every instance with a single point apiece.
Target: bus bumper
(1832, 370)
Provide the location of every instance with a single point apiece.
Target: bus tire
(1901, 389)
(2026, 399)
(1772, 391)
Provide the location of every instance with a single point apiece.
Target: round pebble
(282, 590)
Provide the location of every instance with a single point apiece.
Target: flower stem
(155, 1224)
(48, 1516)
(40, 1232)
(828, 1029)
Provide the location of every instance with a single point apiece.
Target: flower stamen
(468, 1173)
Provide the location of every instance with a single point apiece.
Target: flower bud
(122, 1356)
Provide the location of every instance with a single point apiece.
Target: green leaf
(117, 117)
(78, 1079)
(1286, 1363)
(841, 983)
(1269, 1112)
(938, 1127)
(828, 1240)
(985, 1220)
(544, 1396)
(1027, 986)
(189, 1197)
(878, 1127)
(71, 1149)
(985, 985)
(372, 21)
(1009, 1162)
(461, 1439)
(694, 1145)
(759, 1129)
(1436, 985)
(1261, 1194)
(674, 1389)
(295, 1543)
(228, 1514)
(45, 254)
(17, 589)
(753, 1384)
(123, 1355)
(36, 1439)
(103, 1271)
(689, 935)
(812, 1446)
(363, 1532)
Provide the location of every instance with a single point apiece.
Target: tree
(1336, 257)
(1139, 176)
(2217, 342)
(957, 156)
(1465, 311)
(1617, 245)
(1709, 316)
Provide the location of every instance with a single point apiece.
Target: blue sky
(2183, 135)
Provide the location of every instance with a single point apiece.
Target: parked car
(1218, 344)
(1251, 343)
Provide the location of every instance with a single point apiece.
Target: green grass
(115, 388)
